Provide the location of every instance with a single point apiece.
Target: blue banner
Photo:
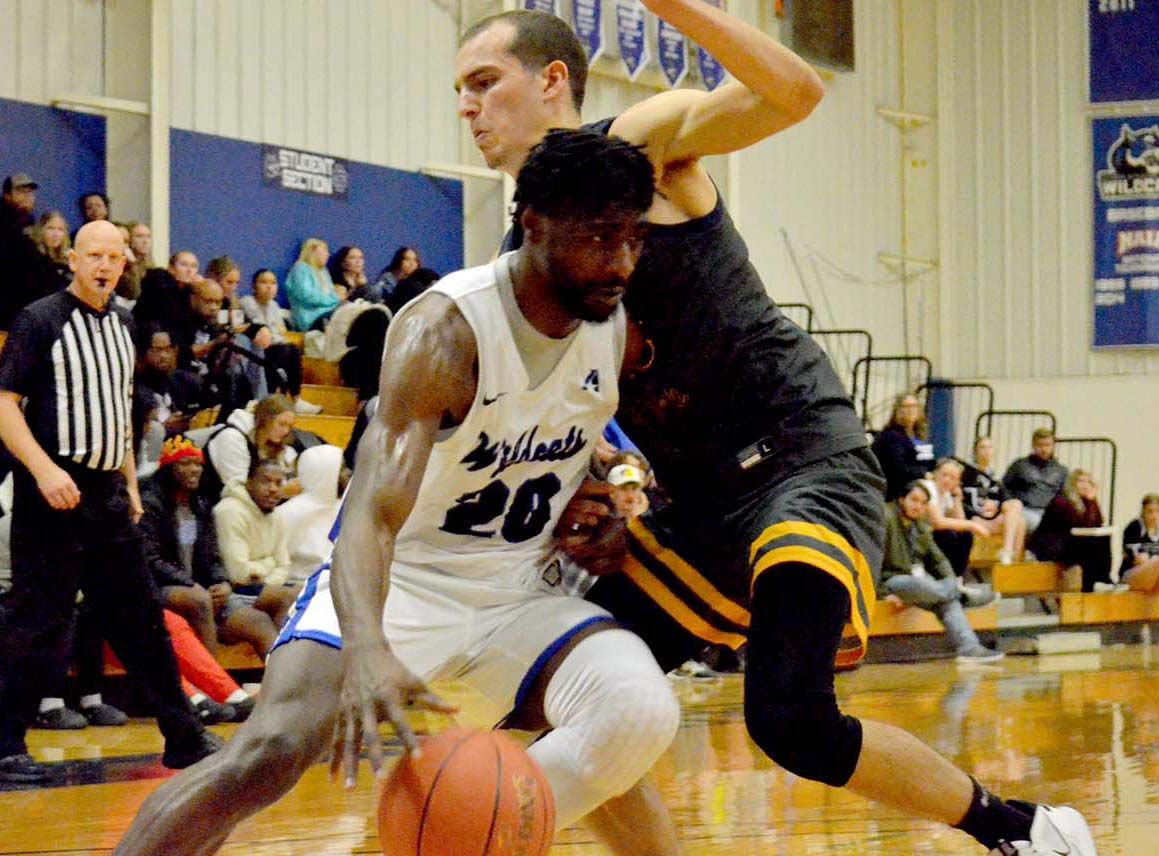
(587, 18)
(711, 71)
(630, 35)
(673, 52)
(1124, 45)
(551, 7)
(1126, 226)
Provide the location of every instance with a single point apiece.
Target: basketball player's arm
(427, 382)
(773, 89)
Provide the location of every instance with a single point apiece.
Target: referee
(75, 506)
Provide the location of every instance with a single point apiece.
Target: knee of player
(813, 740)
(634, 734)
(265, 760)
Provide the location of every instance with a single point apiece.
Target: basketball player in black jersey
(775, 529)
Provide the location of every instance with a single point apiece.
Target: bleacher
(1038, 598)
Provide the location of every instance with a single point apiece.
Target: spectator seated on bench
(953, 532)
(1036, 479)
(1140, 568)
(915, 573)
(986, 500)
(901, 446)
(1060, 536)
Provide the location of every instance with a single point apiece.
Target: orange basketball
(470, 793)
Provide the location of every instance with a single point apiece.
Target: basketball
(469, 792)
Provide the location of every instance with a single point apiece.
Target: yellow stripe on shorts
(676, 608)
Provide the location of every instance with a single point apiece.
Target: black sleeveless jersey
(731, 394)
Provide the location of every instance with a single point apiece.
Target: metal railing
(844, 348)
(970, 399)
(800, 314)
(1011, 431)
(1100, 457)
(877, 381)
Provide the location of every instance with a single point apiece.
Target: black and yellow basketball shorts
(689, 575)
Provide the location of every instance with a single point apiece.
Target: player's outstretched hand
(376, 687)
(590, 532)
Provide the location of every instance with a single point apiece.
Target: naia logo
(1132, 166)
(592, 381)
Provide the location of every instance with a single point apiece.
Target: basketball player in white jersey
(495, 385)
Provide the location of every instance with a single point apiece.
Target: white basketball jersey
(494, 489)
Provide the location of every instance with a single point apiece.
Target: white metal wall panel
(363, 79)
(50, 47)
(1015, 193)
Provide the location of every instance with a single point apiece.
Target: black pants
(284, 369)
(956, 547)
(94, 548)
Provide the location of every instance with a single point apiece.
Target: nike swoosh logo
(492, 400)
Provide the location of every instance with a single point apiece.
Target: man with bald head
(69, 361)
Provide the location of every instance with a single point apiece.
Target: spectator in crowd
(411, 287)
(1055, 538)
(403, 263)
(206, 347)
(165, 294)
(51, 238)
(901, 446)
(308, 518)
(309, 288)
(250, 337)
(76, 505)
(253, 541)
(914, 572)
(164, 397)
(93, 206)
(627, 494)
(1140, 568)
(262, 308)
(265, 434)
(129, 287)
(23, 267)
(214, 695)
(181, 548)
(953, 532)
(348, 271)
(1036, 479)
(985, 499)
(141, 243)
(360, 365)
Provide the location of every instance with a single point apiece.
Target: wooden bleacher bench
(316, 370)
(239, 657)
(1022, 578)
(1107, 608)
(888, 620)
(335, 430)
(334, 400)
(293, 337)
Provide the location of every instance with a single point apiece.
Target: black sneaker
(211, 713)
(60, 719)
(241, 709)
(21, 768)
(104, 714)
(202, 746)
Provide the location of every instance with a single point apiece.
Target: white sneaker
(1005, 557)
(1058, 831)
(307, 407)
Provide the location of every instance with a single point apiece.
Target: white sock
(237, 695)
(90, 700)
(47, 705)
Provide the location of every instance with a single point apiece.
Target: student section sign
(1126, 231)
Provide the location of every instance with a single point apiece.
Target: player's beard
(582, 300)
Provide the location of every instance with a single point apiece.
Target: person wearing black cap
(25, 270)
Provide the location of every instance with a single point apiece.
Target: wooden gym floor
(1080, 729)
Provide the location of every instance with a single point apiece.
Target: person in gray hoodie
(308, 517)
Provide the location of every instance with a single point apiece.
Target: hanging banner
(711, 71)
(305, 172)
(631, 37)
(588, 21)
(1124, 50)
(672, 52)
(1126, 224)
(551, 7)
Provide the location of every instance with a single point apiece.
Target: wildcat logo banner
(1125, 287)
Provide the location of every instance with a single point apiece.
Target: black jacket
(899, 460)
(159, 534)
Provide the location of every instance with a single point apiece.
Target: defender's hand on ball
(376, 687)
(590, 532)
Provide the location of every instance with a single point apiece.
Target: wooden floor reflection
(1079, 729)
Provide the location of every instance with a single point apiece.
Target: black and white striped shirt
(74, 366)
